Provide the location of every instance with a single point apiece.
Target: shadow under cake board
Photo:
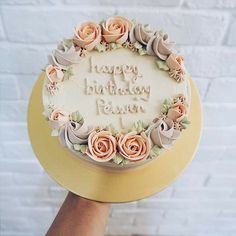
(95, 183)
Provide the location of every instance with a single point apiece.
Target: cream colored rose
(116, 29)
(177, 112)
(74, 133)
(163, 134)
(141, 33)
(175, 61)
(87, 35)
(101, 146)
(133, 146)
(65, 55)
(58, 118)
(159, 46)
(54, 74)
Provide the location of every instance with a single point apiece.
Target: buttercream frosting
(120, 78)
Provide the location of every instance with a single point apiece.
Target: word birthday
(111, 88)
(116, 70)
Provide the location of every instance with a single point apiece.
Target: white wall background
(202, 201)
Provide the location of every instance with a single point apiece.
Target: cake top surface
(118, 82)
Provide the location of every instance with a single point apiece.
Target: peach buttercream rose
(54, 74)
(177, 112)
(58, 118)
(101, 146)
(116, 29)
(134, 146)
(87, 35)
(175, 61)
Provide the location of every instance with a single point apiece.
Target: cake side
(118, 101)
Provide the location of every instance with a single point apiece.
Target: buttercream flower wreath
(105, 144)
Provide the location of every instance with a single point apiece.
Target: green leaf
(162, 65)
(184, 126)
(166, 105)
(118, 159)
(67, 42)
(125, 161)
(185, 121)
(115, 45)
(139, 126)
(161, 33)
(55, 132)
(138, 45)
(155, 151)
(101, 22)
(142, 51)
(111, 129)
(76, 116)
(101, 48)
(80, 148)
(68, 73)
(47, 113)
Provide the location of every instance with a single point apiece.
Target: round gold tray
(98, 184)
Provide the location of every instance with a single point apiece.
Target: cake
(116, 94)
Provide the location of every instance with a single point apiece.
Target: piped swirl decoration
(104, 144)
(65, 55)
(159, 46)
(74, 133)
(163, 133)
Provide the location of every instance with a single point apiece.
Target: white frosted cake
(117, 93)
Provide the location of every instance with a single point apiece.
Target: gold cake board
(98, 184)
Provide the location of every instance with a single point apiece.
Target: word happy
(116, 70)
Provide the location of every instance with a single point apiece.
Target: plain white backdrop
(202, 202)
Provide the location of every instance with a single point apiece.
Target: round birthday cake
(116, 94)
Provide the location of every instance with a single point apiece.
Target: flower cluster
(167, 128)
(100, 145)
(116, 32)
(55, 75)
(105, 144)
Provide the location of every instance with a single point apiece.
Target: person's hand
(80, 217)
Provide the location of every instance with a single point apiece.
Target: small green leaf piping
(139, 126)
(166, 105)
(68, 73)
(101, 48)
(76, 116)
(55, 132)
(111, 129)
(155, 151)
(162, 65)
(80, 148)
(120, 160)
